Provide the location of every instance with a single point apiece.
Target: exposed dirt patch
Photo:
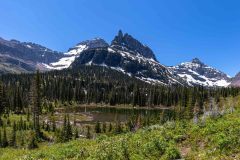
(185, 150)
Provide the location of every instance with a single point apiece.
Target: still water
(114, 114)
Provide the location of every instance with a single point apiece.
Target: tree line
(99, 85)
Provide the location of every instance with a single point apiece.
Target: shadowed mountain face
(197, 73)
(74, 52)
(127, 42)
(17, 57)
(129, 56)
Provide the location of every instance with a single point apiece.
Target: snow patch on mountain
(73, 53)
(151, 80)
(197, 73)
(205, 82)
(68, 58)
(77, 50)
(28, 46)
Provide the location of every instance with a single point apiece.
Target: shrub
(172, 153)
(33, 142)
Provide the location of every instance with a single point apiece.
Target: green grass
(215, 139)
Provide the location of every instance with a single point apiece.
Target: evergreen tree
(189, 107)
(53, 125)
(130, 124)
(58, 135)
(43, 124)
(4, 140)
(76, 134)
(1, 122)
(8, 122)
(112, 98)
(33, 142)
(104, 127)
(47, 127)
(118, 128)
(12, 142)
(28, 115)
(66, 133)
(21, 123)
(64, 130)
(88, 136)
(1, 99)
(22, 139)
(69, 130)
(5, 103)
(35, 97)
(110, 127)
(136, 96)
(98, 127)
(0, 138)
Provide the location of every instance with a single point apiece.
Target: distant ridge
(125, 54)
(196, 72)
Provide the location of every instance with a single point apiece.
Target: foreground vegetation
(210, 138)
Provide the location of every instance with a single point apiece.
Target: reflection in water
(114, 114)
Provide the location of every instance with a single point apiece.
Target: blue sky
(176, 30)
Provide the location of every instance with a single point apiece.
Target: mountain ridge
(125, 54)
(128, 55)
(22, 57)
(196, 72)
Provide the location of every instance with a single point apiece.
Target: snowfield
(69, 58)
(197, 73)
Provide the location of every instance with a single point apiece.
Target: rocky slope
(17, 57)
(126, 55)
(70, 56)
(198, 73)
(236, 81)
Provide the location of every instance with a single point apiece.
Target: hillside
(216, 138)
(24, 57)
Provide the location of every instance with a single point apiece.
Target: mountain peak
(238, 75)
(197, 61)
(127, 42)
(90, 44)
(198, 73)
(120, 34)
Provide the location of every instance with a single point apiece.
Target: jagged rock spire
(127, 41)
(120, 34)
(197, 60)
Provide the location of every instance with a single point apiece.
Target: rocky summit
(196, 72)
(128, 43)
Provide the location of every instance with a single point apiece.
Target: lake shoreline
(74, 106)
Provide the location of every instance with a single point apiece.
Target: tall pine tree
(35, 97)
